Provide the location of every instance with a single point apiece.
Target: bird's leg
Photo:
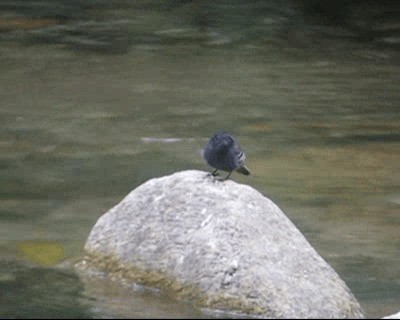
(215, 173)
(226, 178)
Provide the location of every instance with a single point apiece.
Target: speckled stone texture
(393, 316)
(220, 244)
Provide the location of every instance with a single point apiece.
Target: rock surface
(393, 316)
(222, 245)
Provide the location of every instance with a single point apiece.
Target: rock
(222, 245)
(393, 316)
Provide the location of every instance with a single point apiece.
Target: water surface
(87, 116)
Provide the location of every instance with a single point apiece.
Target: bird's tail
(243, 170)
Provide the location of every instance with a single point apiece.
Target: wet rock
(220, 244)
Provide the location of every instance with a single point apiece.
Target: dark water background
(96, 97)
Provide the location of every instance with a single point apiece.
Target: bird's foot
(215, 173)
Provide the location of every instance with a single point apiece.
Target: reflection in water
(315, 108)
(113, 299)
(40, 293)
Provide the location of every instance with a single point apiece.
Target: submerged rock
(221, 245)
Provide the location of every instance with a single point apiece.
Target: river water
(98, 100)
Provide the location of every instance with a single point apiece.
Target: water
(122, 94)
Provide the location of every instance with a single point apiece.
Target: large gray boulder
(393, 316)
(220, 244)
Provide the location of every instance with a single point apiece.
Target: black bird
(222, 152)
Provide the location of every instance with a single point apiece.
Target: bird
(223, 152)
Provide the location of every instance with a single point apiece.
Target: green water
(81, 127)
